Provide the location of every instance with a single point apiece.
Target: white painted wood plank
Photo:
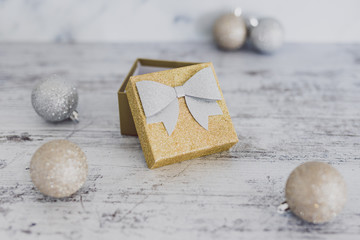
(299, 105)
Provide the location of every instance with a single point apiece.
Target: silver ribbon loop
(160, 102)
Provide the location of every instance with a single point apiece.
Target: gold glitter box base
(189, 140)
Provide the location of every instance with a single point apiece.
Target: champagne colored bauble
(230, 31)
(315, 192)
(58, 168)
(266, 35)
(55, 99)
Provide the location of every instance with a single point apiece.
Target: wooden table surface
(301, 104)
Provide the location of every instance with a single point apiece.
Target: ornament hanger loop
(283, 207)
(75, 116)
(237, 11)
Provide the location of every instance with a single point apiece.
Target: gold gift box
(189, 140)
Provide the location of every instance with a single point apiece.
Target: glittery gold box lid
(127, 125)
(188, 140)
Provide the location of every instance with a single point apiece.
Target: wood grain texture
(302, 104)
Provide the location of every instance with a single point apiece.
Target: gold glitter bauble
(58, 168)
(315, 192)
(230, 31)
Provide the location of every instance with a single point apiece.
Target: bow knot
(180, 92)
(160, 102)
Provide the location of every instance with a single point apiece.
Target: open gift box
(177, 109)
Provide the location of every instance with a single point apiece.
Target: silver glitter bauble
(230, 31)
(58, 168)
(315, 192)
(266, 35)
(55, 99)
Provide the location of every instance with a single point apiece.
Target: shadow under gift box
(189, 140)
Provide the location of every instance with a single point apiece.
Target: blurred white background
(334, 21)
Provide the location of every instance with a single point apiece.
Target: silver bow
(160, 102)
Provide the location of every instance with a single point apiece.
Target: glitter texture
(267, 36)
(230, 31)
(58, 168)
(189, 140)
(54, 99)
(315, 192)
